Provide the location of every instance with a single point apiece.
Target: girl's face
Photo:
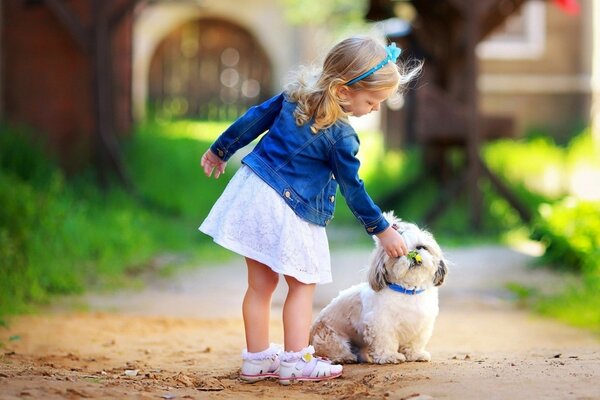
(362, 102)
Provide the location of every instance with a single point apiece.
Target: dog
(390, 318)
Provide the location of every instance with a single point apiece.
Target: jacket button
(221, 154)
(370, 229)
(332, 198)
(287, 194)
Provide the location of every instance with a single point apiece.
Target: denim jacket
(303, 167)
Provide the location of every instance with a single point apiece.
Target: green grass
(577, 306)
(164, 159)
(60, 236)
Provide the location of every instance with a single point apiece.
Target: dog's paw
(423, 356)
(388, 358)
(345, 359)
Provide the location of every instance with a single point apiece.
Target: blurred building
(212, 59)
(538, 68)
(46, 74)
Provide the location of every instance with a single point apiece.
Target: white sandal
(261, 365)
(304, 366)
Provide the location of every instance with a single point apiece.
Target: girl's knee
(268, 284)
(265, 285)
(262, 278)
(295, 285)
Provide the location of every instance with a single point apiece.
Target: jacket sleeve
(248, 127)
(345, 167)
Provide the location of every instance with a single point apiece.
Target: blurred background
(107, 106)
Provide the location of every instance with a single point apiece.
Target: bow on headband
(393, 53)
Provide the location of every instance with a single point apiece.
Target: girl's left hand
(392, 242)
(210, 162)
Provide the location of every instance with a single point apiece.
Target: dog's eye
(421, 247)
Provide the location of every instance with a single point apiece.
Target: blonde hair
(317, 91)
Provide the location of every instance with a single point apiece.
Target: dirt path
(184, 336)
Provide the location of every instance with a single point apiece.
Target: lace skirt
(251, 219)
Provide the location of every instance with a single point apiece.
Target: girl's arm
(345, 167)
(247, 128)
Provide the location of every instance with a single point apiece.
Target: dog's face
(405, 271)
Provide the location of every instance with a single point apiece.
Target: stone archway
(208, 68)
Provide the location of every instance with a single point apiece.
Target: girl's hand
(392, 242)
(210, 161)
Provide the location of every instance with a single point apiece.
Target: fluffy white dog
(390, 319)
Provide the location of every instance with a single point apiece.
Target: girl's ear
(343, 92)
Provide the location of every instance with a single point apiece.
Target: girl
(274, 210)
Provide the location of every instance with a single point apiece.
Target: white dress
(251, 219)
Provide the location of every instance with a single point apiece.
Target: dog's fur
(370, 322)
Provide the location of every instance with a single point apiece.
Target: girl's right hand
(210, 162)
(392, 242)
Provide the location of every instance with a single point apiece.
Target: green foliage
(58, 237)
(583, 149)
(23, 154)
(570, 232)
(383, 171)
(165, 163)
(567, 224)
(536, 165)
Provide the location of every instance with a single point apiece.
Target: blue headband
(392, 55)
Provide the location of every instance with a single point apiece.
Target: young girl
(275, 209)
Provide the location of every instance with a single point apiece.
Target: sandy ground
(182, 337)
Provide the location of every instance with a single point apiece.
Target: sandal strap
(310, 367)
(317, 363)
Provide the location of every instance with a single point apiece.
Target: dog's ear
(440, 274)
(377, 270)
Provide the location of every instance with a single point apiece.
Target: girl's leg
(298, 363)
(297, 314)
(256, 308)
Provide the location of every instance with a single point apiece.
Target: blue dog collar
(400, 289)
(392, 55)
